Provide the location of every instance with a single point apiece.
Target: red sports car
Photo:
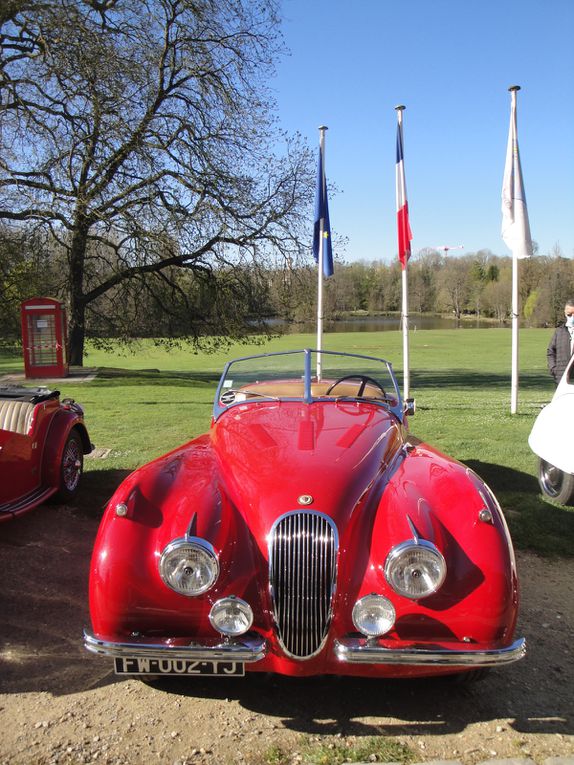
(42, 445)
(306, 533)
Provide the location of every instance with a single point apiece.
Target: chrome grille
(302, 563)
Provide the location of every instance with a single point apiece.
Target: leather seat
(16, 416)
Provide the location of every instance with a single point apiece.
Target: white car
(551, 440)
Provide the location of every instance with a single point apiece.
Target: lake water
(386, 323)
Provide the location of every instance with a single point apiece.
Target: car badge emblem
(305, 499)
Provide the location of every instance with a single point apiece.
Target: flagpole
(405, 323)
(515, 328)
(513, 89)
(320, 263)
(405, 297)
(515, 230)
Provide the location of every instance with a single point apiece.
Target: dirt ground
(60, 704)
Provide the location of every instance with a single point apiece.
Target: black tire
(71, 468)
(556, 484)
(471, 677)
(151, 680)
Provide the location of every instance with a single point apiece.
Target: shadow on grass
(502, 478)
(460, 378)
(420, 378)
(535, 522)
(117, 376)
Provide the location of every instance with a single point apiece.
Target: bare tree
(455, 284)
(139, 133)
(497, 297)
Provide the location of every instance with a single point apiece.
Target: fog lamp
(231, 616)
(189, 566)
(415, 569)
(373, 615)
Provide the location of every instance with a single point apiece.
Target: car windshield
(308, 375)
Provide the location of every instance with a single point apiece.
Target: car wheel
(152, 680)
(71, 468)
(555, 483)
(470, 677)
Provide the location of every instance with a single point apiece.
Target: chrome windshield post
(307, 390)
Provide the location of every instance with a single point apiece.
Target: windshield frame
(308, 378)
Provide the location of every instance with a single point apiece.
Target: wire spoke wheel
(71, 467)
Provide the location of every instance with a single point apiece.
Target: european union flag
(322, 225)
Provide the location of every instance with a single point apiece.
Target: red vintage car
(306, 533)
(42, 444)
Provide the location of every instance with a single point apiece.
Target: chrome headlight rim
(366, 603)
(224, 603)
(399, 552)
(197, 544)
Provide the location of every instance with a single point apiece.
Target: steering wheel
(364, 381)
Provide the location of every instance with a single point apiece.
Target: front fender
(174, 496)
(440, 500)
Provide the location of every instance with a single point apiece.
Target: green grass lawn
(143, 404)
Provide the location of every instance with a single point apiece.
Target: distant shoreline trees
(476, 284)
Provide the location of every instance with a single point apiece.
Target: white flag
(515, 225)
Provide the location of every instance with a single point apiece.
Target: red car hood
(269, 455)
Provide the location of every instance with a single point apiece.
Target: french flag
(403, 226)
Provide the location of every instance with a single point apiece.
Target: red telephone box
(44, 338)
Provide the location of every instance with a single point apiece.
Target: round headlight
(373, 615)
(231, 616)
(415, 569)
(189, 566)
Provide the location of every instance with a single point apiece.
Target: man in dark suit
(561, 346)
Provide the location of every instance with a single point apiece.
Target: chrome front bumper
(252, 648)
(363, 651)
(249, 649)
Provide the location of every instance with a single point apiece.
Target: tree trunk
(77, 318)
(76, 335)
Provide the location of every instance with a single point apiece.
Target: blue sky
(450, 62)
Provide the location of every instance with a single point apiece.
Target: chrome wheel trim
(551, 478)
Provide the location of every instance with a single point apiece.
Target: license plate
(131, 665)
